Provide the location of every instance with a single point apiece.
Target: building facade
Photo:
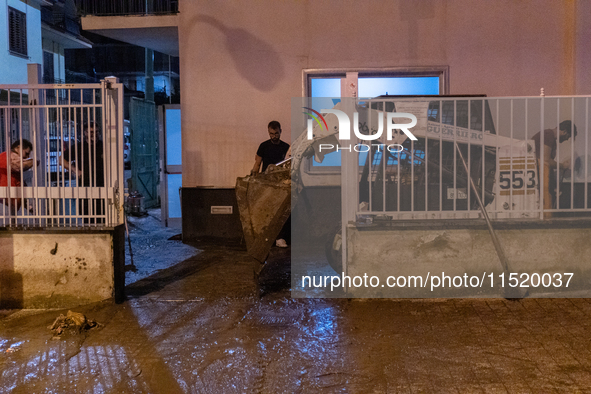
(37, 31)
(242, 62)
(21, 44)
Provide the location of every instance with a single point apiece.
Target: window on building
(17, 32)
(325, 88)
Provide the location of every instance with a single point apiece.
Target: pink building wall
(242, 62)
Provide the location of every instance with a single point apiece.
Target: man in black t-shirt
(85, 160)
(273, 151)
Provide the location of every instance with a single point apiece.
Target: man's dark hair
(566, 126)
(25, 143)
(275, 125)
(90, 124)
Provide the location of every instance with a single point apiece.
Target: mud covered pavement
(200, 327)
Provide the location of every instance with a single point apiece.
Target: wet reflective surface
(201, 327)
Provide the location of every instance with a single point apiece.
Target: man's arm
(257, 165)
(551, 162)
(15, 163)
(69, 166)
(28, 164)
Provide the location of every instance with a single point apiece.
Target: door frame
(165, 170)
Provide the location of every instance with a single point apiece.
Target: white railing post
(113, 140)
(38, 135)
(541, 166)
(349, 167)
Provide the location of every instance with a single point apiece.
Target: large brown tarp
(264, 202)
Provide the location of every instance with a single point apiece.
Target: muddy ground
(153, 247)
(202, 326)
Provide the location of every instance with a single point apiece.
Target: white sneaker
(280, 243)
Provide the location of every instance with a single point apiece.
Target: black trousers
(285, 232)
(94, 207)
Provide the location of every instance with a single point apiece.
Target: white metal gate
(497, 143)
(76, 133)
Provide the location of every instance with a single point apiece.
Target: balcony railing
(60, 21)
(127, 7)
(47, 15)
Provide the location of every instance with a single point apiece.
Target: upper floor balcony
(56, 19)
(147, 23)
(60, 23)
(127, 7)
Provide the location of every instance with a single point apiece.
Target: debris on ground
(15, 347)
(177, 237)
(73, 323)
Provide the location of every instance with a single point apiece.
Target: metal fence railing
(62, 155)
(60, 20)
(125, 7)
(528, 157)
